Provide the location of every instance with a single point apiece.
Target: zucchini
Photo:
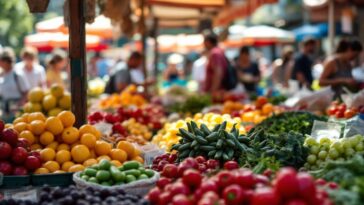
(201, 140)
(184, 147)
(205, 129)
(212, 137)
(207, 148)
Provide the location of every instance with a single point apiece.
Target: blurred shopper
(247, 70)
(127, 73)
(56, 68)
(216, 66)
(338, 69)
(174, 71)
(30, 69)
(199, 70)
(302, 69)
(282, 67)
(99, 66)
(13, 87)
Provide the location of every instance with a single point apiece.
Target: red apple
(35, 154)
(6, 168)
(192, 178)
(170, 171)
(32, 163)
(2, 125)
(19, 155)
(20, 170)
(22, 142)
(5, 150)
(10, 136)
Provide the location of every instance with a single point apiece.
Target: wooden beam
(77, 52)
(143, 31)
(156, 47)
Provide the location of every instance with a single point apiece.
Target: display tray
(61, 179)
(12, 182)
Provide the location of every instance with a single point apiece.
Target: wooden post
(156, 47)
(331, 22)
(144, 39)
(77, 51)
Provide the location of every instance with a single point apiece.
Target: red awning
(189, 3)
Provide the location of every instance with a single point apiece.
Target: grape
(333, 153)
(311, 159)
(359, 147)
(310, 141)
(338, 146)
(346, 144)
(314, 149)
(349, 152)
(322, 155)
(354, 141)
(325, 146)
(324, 140)
(319, 161)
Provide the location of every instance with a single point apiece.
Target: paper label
(30, 194)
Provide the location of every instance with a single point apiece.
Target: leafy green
(193, 104)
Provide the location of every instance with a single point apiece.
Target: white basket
(140, 187)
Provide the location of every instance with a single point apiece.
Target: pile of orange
(65, 148)
(129, 96)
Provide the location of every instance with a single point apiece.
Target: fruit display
(341, 111)
(239, 186)
(96, 87)
(74, 195)
(167, 136)
(128, 97)
(15, 155)
(325, 150)
(216, 143)
(64, 148)
(50, 102)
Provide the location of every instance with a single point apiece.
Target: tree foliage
(15, 22)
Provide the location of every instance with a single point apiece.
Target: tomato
(307, 187)
(268, 173)
(181, 199)
(342, 107)
(261, 100)
(332, 111)
(200, 159)
(170, 171)
(261, 179)
(172, 158)
(264, 196)
(206, 186)
(230, 165)
(320, 182)
(225, 178)
(349, 114)
(233, 194)
(192, 178)
(165, 198)
(286, 183)
(296, 202)
(163, 181)
(212, 164)
(202, 168)
(179, 188)
(245, 179)
(339, 114)
(153, 195)
(333, 185)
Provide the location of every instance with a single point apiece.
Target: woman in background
(56, 68)
(282, 68)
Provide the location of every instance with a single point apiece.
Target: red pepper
(233, 195)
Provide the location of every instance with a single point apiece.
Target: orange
(53, 145)
(70, 135)
(80, 153)
(63, 147)
(89, 162)
(88, 129)
(102, 148)
(49, 102)
(41, 170)
(52, 166)
(46, 138)
(35, 147)
(63, 156)
(74, 144)
(25, 117)
(18, 120)
(103, 157)
(59, 172)
(118, 154)
(54, 112)
(267, 109)
(92, 154)
(28, 135)
(67, 118)
(136, 153)
(57, 90)
(54, 125)
(88, 139)
(66, 166)
(116, 163)
(35, 95)
(47, 154)
(37, 127)
(65, 101)
(36, 116)
(20, 126)
(76, 168)
(138, 159)
(127, 147)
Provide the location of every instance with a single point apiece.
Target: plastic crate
(12, 182)
(61, 179)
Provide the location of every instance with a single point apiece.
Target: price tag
(104, 128)
(331, 130)
(30, 194)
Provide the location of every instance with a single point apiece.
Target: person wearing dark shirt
(248, 71)
(302, 69)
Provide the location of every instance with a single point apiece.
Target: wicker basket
(38, 6)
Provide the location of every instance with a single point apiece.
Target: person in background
(13, 87)
(30, 69)
(173, 72)
(302, 68)
(56, 66)
(282, 68)
(199, 70)
(248, 72)
(338, 69)
(216, 66)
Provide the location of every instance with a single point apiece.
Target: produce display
(128, 97)
(64, 148)
(50, 102)
(167, 137)
(341, 111)
(239, 186)
(325, 150)
(15, 155)
(107, 174)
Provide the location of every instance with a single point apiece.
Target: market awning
(189, 3)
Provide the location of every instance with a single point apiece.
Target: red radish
(307, 188)
(230, 165)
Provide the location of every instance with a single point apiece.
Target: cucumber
(207, 148)
(234, 131)
(192, 153)
(175, 146)
(216, 128)
(131, 165)
(237, 143)
(230, 153)
(186, 135)
(194, 126)
(197, 147)
(223, 126)
(194, 143)
(183, 154)
(201, 140)
(211, 153)
(213, 144)
(219, 143)
(230, 143)
(243, 139)
(212, 137)
(189, 127)
(199, 132)
(184, 146)
(225, 157)
(205, 129)
(218, 154)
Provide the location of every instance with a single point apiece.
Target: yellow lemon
(65, 101)
(41, 170)
(63, 156)
(127, 147)
(57, 90)
(20, 126)
(54, 112)
(49, 102)
(52, 166)
(28, 135)
(36, 116)
(103, 157)
(53, 145)
(35, 147)
(63, 146)
(76, 168)
(88, 129)
(118, 154)
(102, 148)
(89, 162)
(35, 95)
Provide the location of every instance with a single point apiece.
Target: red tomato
(349, 114)
(179, 188)
(153, 195)
(170, 171)
(192, 178)
(163, 181)
(296, 202)
(233, 194)
(264, 196)
(181, 199)
(245, 179)
(286, 183)
(225, 178)
(307, 187)
(165, 198)
(230, 165)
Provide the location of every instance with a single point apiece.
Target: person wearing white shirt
(13, 87)
(30, 70)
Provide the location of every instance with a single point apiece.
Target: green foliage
(15, 22)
